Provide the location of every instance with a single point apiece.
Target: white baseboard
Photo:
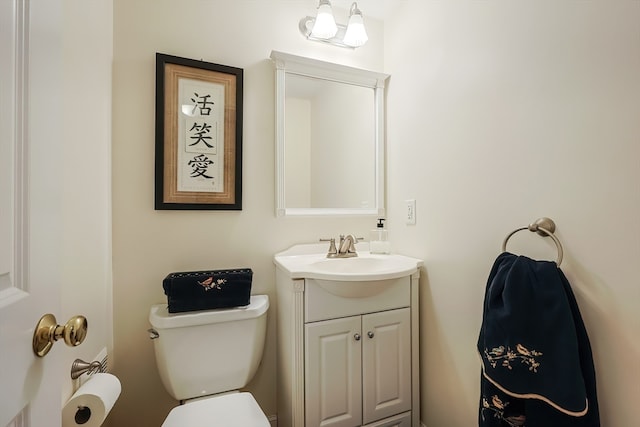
(273, 420)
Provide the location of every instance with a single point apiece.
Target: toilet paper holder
(79, 367)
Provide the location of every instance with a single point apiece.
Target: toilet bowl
(229, 410)
(205, 357)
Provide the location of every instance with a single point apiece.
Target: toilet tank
(206, 352)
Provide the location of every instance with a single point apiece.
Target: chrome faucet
(346, 248)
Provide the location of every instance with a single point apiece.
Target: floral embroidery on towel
(209, 283)
(507, 355)
(498, 408)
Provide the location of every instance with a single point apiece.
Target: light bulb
(324, 26)
(356, 34)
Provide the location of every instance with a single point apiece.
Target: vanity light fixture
(323, 27)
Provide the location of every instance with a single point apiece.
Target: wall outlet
(410, 211)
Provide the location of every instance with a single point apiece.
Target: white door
(386, 364)
(333, 385)
(30, 146)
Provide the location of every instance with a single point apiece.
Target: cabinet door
(386, 364)
(333, 393)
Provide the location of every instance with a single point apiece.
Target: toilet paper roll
(90, 405)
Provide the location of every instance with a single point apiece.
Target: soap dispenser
(378, 240)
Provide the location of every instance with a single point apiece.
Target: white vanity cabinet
(358, 368)
(348, 351)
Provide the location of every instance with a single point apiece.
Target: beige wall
(501, 112)
(148, 244)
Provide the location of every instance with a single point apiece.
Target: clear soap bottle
(378, 239)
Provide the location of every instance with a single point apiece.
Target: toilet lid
(229, 410)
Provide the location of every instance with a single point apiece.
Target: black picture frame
(198, 140)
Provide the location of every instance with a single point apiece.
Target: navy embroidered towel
(537, 366)
(205, 290)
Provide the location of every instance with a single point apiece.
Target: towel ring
(544, 227)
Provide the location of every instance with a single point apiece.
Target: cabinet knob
(357, 337)
(370, 334)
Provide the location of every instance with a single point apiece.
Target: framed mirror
(329, 138)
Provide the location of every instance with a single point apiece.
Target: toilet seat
(229, 410)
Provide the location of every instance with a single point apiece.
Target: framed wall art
(198, 135)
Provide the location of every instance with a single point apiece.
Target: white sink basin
(310, 262)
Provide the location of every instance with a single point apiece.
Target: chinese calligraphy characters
(201, 153)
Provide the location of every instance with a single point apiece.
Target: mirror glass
(329, 147)
(329, 144)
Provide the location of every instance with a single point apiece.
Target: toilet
(205, 357)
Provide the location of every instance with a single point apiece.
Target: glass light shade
(356, 35)
(324, 26)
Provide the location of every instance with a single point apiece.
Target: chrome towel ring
(544, 227)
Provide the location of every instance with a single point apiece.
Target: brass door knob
(48, 331)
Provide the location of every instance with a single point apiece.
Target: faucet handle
(332, 246)
(353, 236)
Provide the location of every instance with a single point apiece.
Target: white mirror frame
(291, 64)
